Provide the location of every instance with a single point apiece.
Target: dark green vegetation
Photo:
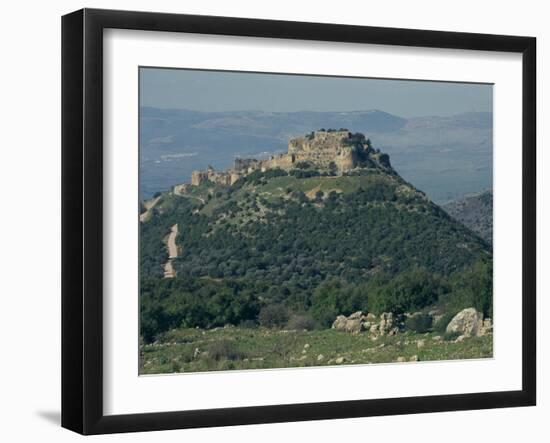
(295, 249)
(193, 350)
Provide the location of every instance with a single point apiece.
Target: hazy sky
(238, 91)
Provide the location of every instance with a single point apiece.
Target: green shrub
(441, 325)
(301, 173)
(473, 286)
(420, 323)
(451, 336)
(301, 322)
(248, 324)
(186, 354)
(411, 290)
(334, 297)
(273, 316)
(303, 165)
(225, 350)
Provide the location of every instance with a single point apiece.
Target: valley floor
(195, 350)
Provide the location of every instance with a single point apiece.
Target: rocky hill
(475, 212)
(446, 157)
(332, 152)
(306, 233)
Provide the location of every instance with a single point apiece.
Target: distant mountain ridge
(475, 212)
(444, 156)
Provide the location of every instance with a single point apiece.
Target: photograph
(261, 222)
(294, 220)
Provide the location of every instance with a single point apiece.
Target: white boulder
(467, 322)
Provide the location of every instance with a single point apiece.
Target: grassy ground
(277, 185)
(194, 350)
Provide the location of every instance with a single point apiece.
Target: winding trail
(169, 271)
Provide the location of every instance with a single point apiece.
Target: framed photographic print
(269, 221)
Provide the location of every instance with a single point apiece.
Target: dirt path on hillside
(149, 204)
(169, 271)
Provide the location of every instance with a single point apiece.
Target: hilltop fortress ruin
(337, 151)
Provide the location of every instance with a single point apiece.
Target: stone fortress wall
(320, 148)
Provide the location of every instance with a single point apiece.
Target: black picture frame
(82, 215)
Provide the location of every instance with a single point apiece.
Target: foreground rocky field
(192, 350)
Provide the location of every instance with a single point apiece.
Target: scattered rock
(485, 328)
(306, 346)
(320, 357)
(401, 359)
(414, 358)
(436, 316)
(196, 352)
(352, 324)
(393, 331)
(420, 344)
(358, 321)
(467, 322)
(460, 338)
(340, 360)
(386, 323)
(437, 338)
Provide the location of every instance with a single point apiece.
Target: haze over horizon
(222, 91)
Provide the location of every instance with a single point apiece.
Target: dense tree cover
(336, 297)
(408, 291)
(207, 303)
(300, 173)
(188, 302)
(473, 287)
(347, 237)
(245, 252)
(152, 250)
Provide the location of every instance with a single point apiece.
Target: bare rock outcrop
(357, 322)
(470, 322)
(353, 324)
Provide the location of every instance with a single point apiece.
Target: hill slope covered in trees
(306, 243)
